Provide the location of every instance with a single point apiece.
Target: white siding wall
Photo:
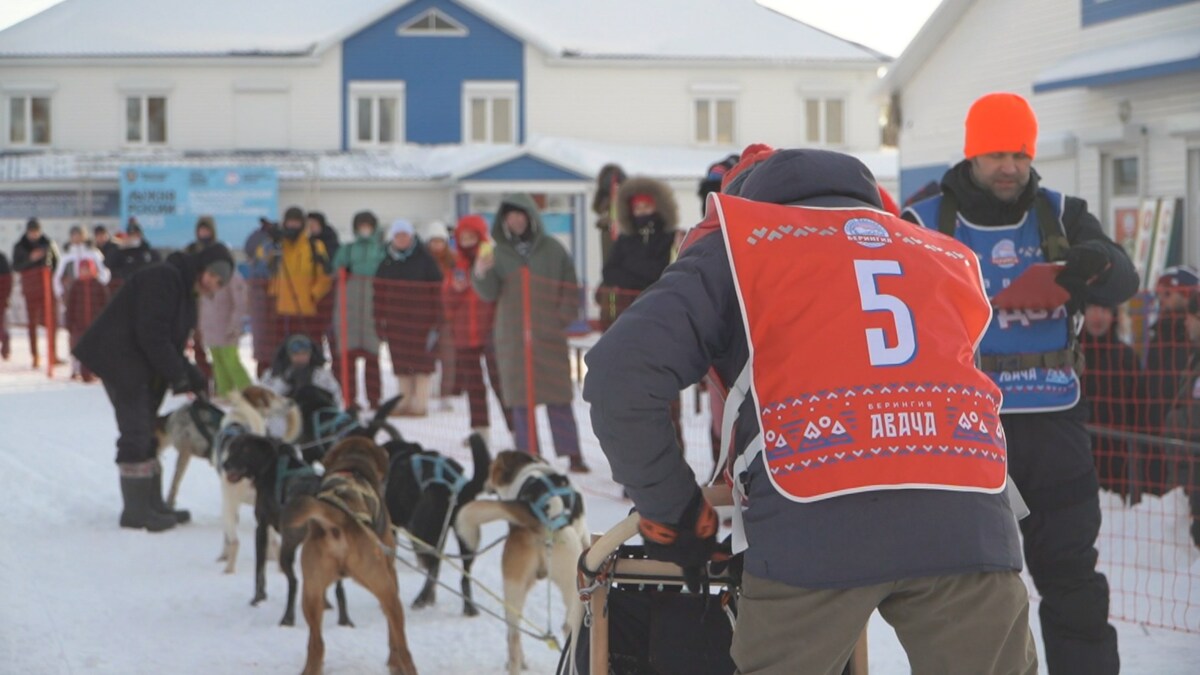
(1002, 45)
(88, 103)
(650, 103)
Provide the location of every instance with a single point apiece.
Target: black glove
(690, 543)
(192, 381)
(1084, 265)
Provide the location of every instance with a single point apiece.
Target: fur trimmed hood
(664, 199)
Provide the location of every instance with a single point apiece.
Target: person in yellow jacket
(299, 279)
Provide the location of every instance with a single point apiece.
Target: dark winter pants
(469, 375)
(35, 310)
(136, 407)
(371, 377)
(562, 428)
(1050, 460)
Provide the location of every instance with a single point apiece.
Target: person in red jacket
(471, 318)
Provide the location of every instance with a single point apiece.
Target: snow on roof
(664, 29)
(410, 163)
(1126, 60)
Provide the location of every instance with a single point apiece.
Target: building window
(714, 119)
(1125, 176)
(825, 121)
(146, 119)
(376, 113)
(490, 112)
(29, 120)
(433, 23)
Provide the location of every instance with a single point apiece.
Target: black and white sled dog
(425, 491)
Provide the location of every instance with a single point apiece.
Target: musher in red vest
(992, 202)
(870, 465)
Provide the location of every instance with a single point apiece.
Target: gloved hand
(690, 543)
(1084, 265)
(192, 381)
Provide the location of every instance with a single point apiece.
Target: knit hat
(1000, 122)
(299, 343)
(365, 218)
(217, 260)
(641, 199)
(293, 213)
(32, 224)
(435, 229)
(753, 154)
(472, 223)
(133, 229)
(400, 226)
(75, 230)
(1183, 276)
(99, 229)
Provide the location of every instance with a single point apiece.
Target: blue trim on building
(526, 167)
(1119, 76)
(432, 68)
(914, 178)
(1099, 11)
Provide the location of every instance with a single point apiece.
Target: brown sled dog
(345, 530)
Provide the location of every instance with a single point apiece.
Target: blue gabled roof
(525, 167)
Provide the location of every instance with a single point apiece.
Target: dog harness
(283, 473)
(207, 418)
(548, 495)
(903, 405)
(431, 468)
(222, 440)
(354, 495)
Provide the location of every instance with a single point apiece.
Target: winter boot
(181, 516)
(137, 489)
(404, 385)
(420, 397)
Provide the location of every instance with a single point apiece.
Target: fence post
(527, 332)
(344, 357)
(49, 320)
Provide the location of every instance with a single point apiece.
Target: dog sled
(638, 620)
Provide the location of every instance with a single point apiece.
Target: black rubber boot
(181, 516)
(137, 491)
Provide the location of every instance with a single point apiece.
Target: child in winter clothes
(471, 320)
(298, 366)
(221, 317)
(81, 280)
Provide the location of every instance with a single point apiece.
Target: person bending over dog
(136, 348)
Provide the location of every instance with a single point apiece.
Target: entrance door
(1191, 233)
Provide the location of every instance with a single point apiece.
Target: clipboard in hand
(1035, 289)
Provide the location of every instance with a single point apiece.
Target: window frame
(375, 90)
(714, 93)
(457, 29)
(823, 99)
(28, 97)
(491, 90)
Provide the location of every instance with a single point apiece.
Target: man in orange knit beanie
(992, 202)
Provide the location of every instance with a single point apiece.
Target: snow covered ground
(81, 595)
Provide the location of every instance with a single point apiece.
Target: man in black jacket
(992, 202)
(132, 256)
(33, 254)
(136, 348)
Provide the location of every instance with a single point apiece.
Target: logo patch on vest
(1004, 254)
(866, 232)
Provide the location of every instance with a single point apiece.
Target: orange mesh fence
(1142, 384)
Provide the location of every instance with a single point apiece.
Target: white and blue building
(425, 109)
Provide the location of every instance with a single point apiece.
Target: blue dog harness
(539, 490)
(434, 469)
